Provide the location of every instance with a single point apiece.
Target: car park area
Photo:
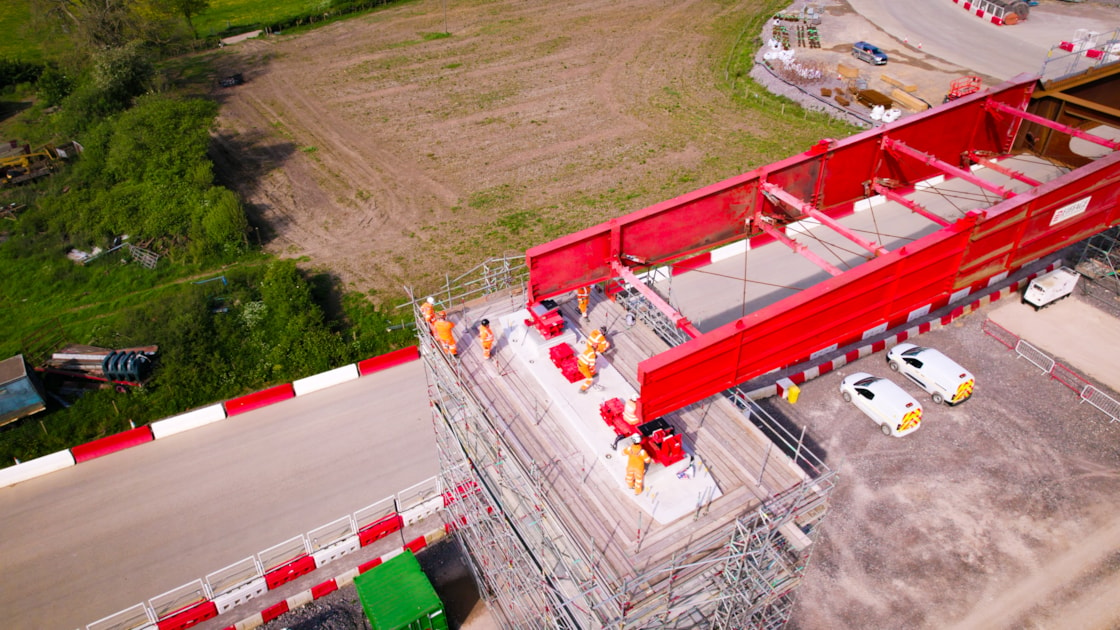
(1001, 512)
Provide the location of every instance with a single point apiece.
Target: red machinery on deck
(659, 438)
(824, 184)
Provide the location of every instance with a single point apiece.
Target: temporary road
(99, 537)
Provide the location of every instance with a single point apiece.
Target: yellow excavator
(16, 169)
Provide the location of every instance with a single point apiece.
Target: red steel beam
(992, 164)
(914, 206)
(891, 144)
(1056, 126)
(679, 320)
(778, 193)
(800, 248)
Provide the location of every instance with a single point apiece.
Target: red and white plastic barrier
(188, 421)
(326, 379)
(256, 400)
(37, 467)
(111, 444)
(329, 586)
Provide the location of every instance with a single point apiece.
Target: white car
(944, 379)
(895, 411)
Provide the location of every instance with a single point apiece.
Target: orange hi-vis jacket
(486, 336)
(598, 341)
(587, 358)
(443, 331)
(636, 456)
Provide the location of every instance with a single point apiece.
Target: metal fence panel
(372, 513)
(234, 575)
(283, 553)
(999, 333)
(1102, 401)
(1066, 376)
(417, 494)
(1035, 356)
(179, 598)
(128, 619)
(334, 531)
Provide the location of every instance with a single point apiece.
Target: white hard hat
(633, 397)
(637, 439)
(431, 300)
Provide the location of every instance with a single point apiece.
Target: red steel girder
(993, 105)
(679, 320)
(800, 248)
(785, 197)
(914, 206)
(992, 164)
(890, 144)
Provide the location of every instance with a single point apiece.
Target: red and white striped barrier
(37, 467)
(324, 380)
(339, 581)
(187, 421)
(159, 429)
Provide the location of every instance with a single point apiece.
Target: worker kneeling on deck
(485, 337)
(598, 341)
(443, 332)
(636, 461)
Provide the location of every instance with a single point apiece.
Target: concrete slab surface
(1072, 332)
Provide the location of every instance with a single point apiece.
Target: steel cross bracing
(636, 303)
(536, 572)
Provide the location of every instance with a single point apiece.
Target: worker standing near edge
(636, 461)
(630, 411)
(485, 337)
(443, 332)
(428, 312)
(583, 298)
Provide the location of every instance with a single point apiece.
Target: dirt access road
(390, 155)
(998, 513)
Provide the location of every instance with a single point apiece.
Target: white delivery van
(942, 377)
(895, 411)
(1050, 287)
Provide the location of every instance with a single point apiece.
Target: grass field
(19, 41)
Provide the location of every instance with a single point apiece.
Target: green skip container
(396, 595)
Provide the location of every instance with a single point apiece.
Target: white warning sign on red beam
(1069, 211)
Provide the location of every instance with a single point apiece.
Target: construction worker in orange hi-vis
(583, 298)
(442, 330)
(586, 363)
(485, 337)
(630, 411)
(428, 311)
(636, 461)
(598, 341)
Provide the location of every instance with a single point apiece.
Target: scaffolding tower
(1100, 260)
(535, 564)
